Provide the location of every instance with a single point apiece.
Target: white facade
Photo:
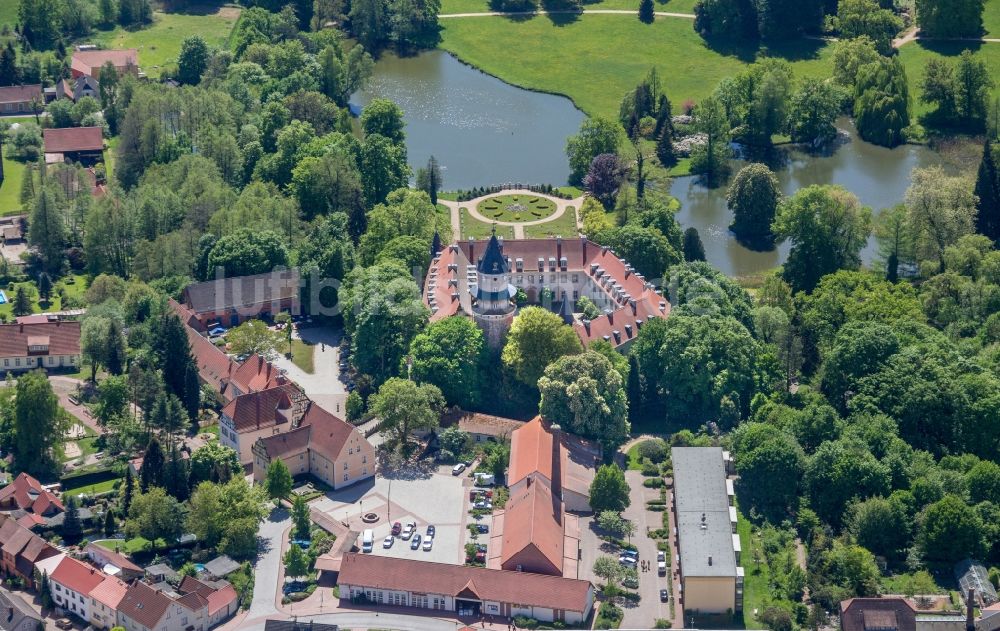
(71, 601)
(15, 364)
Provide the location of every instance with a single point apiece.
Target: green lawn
(561, 57)
(915, 57)
(74, 286)
(564, 226)
(130, 546)
(93, 489)
(516, 207)
(472, 227)
(10, 189)
(757, 578)
(991, 18)
(8, 13)
(302, 355)
(161, 43)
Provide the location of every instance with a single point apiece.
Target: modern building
(16, 614)
(84, 145)
(258, 414)
(705, 519)
(480, 279)
(464, 589)
(89, 62)
(228, 301)
(21, 99)
(324, 446)
(48, 345)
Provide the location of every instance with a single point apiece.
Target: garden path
(562, 205)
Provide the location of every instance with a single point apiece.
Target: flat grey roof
(704, 530)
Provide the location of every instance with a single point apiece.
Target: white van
(367, 541)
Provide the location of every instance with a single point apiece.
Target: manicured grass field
(991, 18)
(757, 578)
(161, 42)
(916, 55)
(10, 190)
(516, 208)
(564, 226)
(73, 285)
(94, 489)
(561, 58)
(302, 355)
(472, 227)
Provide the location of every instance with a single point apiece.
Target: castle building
(466, 278)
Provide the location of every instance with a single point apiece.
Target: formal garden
(517, 208)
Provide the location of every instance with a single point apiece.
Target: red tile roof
(256, 374)
(214, 367)
(25, 492)
(69, 139)
(77, 576)
(110, 592)
(21, 93)
(532, 450)
(89, 62)
(319, 431)
(538, 590)
(217, 597)
(100, 554)
(242, 291)
(533, 531)
(63, 338)
(144, 605)
(257, 410)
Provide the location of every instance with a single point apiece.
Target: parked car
(628, 561)
(415, 543)
(484, 505)
(664, 595)
(408, 531)
(661, 568)
(428, 543)
(431, 531)
(482, 528)
(457, 469)
(387, 542)
(64, 623)
(397, 528)
(631, 582)
(661, 556)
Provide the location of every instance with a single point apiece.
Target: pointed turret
(493, 261)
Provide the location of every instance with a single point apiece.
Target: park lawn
(498, 207)
(302, 355)
(573, 59)
(74, 285)
(130, 546)
(94, 489)
(160, 43)
(757, 577)
(633, 459)
(472, 227)
(10, 190)
(915, 57)
(991, 18)
(564, 226)
(483, 6)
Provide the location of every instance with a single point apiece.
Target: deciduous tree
(404, 407)
(609, 491)
(586, 395)
(536, 339)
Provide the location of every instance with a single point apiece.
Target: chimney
(586, 325)
(611, 315)
(559, 248)
(583, 240)
(970, 603)
(710, 561)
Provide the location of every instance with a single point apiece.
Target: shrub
(654, 449)
(653, 483)
(649, 470)
(523, 622)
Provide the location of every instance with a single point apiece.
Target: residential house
(21, 550)
(323, 446)
(465, 589)
(89, 62)
(221, 599)
(17, 615)
(878, 614)
(48, 345)
(21, 99)
(78, 87)
(194, 606)
(255, 374)
(564, 462)
(113, 563)
(71, 583)
(229, 301)
(28, 494)
(104, 601)
(257, 414)
(74, 144)
(481, 427)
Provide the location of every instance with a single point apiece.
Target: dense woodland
(862, 405)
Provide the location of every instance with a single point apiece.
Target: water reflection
(482, 130)
(878, 176)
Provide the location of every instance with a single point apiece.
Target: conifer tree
(646, 12)
(634, 390)
(72, 529)
(692, 246)
(665, 149)
(988, 192)
(153, 462)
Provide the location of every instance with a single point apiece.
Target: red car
(396, 529)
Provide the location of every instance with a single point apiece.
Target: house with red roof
(72, 582)
(22, 99)
(50, 345)
(231, 300)
(89, 62)
(84, 145)
(21, 550)
(258, 414)
(324, 446)
(194, 606)
(27, 494)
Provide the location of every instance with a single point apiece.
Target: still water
(878, 176)
(481, 130)
(484, 131)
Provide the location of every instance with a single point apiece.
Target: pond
(878, 176)
(481, 130)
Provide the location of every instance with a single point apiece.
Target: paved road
(267, 571)
(644, 615)
(323, 384)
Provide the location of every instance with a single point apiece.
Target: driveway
(65, 386)
(649, 608)
(322, 385)
(267, 570)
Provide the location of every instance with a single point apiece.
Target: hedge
(87, 479)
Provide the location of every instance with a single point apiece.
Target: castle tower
(493, 309)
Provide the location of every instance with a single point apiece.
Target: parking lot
(437, 498)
